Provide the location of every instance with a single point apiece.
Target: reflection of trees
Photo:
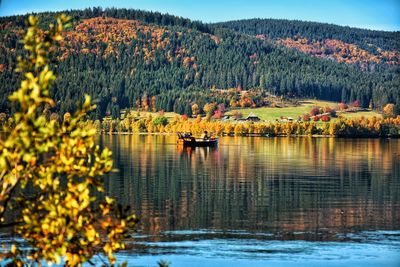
(286, 184)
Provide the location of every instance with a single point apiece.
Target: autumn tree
(195, 109)
(237, 115)
(153, 103)
(51, 172)
(306, 117)
(233, 103)
(217, 114)
(221, 108)
(198, 119)
(314, 111)
(3, 118)
(356, 104)
(388, 110)
(342, 106)
(209, 108)
(145, 103)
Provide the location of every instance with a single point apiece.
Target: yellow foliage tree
(195, 109)
(388, 109)
(60, 165)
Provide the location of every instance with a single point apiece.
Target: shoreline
(262, 135)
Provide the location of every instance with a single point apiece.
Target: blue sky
(370, 14)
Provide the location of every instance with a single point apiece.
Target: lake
(256, 201)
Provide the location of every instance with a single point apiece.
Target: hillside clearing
(272, 114)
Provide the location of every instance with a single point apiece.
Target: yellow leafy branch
(61, 163)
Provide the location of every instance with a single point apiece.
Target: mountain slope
(128, 58)
(282, 29)
(366, 48)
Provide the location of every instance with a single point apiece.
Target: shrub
(160, 121)
(306, 117)
(325, 118)
(314, 111)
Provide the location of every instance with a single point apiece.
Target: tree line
(342, 127)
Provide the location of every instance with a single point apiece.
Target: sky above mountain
(369, 14)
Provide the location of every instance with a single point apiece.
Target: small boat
(188, 140)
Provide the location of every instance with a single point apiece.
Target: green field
(366, 114)
(272, 114)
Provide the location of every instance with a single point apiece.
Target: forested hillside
(136, 59)
(343, 44)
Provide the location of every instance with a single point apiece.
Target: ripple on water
(255, 249)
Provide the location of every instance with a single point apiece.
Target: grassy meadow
(275, 113)
(272, 114)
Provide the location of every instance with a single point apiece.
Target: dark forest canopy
(281, 28)
(129, 58)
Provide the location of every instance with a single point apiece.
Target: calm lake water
(257, 201)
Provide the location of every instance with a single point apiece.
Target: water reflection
(316, 187)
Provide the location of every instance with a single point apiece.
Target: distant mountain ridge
(340, 43)
(131, 58)
(281, 28)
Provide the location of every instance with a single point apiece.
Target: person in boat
(205, 135)
(190, 136)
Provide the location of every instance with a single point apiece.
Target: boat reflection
(197, 152)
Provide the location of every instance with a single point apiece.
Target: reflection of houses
(252, 117)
